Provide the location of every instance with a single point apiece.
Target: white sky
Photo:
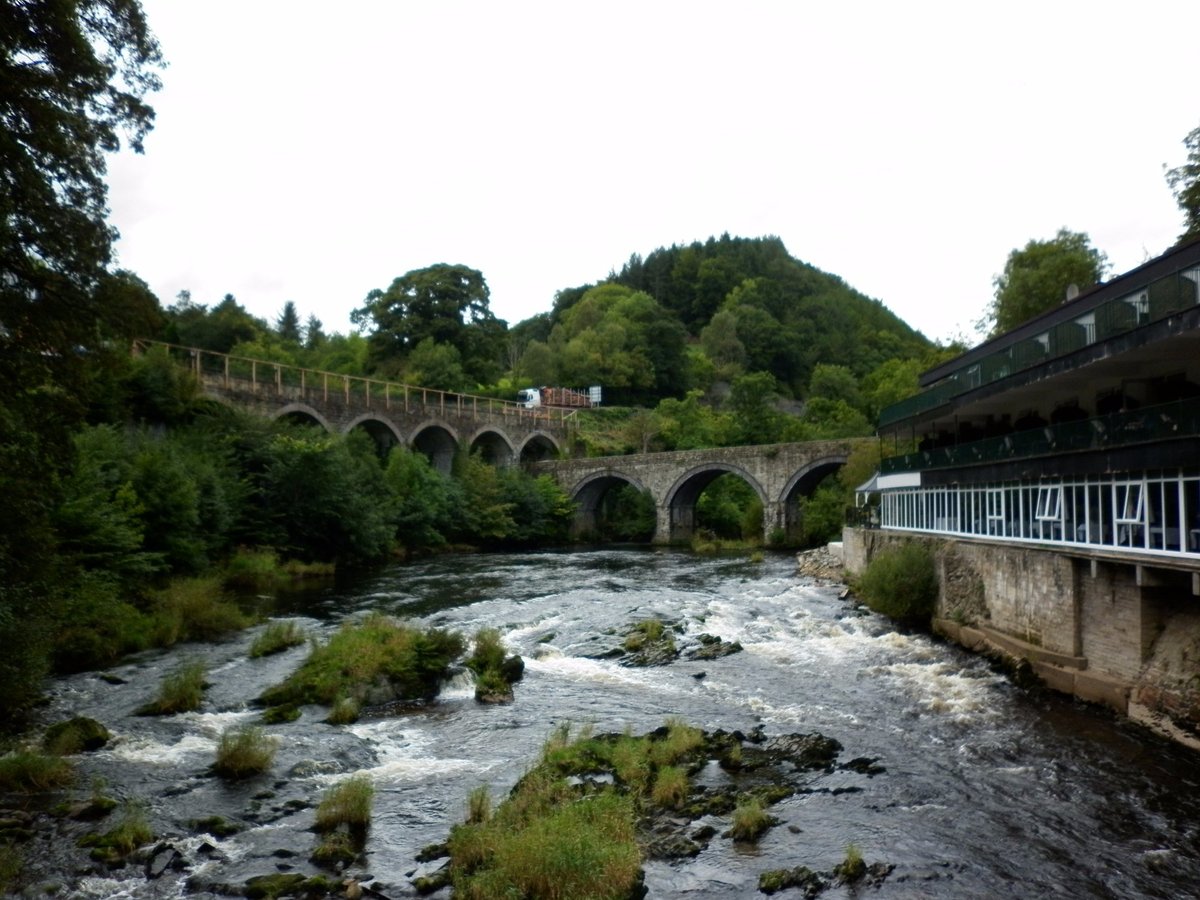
(314, 151)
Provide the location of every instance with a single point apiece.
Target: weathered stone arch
(494, 446)
(302, 411)
(438, 442)
(802, 483)
(538, 445)
(589, 493)
(677, 511)
(384, 432)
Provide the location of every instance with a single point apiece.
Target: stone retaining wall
(1105, 631)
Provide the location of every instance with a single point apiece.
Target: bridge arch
(385, 434)
(539, 446)
(802, 484)
(588, 495)
(302, 412)
(437, 441)
(494, 446)
(677, 512)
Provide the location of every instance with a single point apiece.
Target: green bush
(902, 583)
(670, 787)
(344, 711)
(131, 831)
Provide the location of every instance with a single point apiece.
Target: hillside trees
(617, 337)
(447, 304)
(1036, 277)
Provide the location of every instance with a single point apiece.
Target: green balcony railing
(1165, 421)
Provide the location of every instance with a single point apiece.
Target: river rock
(78, 735)
(820, 565)
(164, 858)
(713, 647)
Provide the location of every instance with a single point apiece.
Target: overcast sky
(312, 152)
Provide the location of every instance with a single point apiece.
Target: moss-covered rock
(78, 735)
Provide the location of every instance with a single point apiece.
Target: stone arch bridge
(779, 473)
(436, 423)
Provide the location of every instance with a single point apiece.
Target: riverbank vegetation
(902, 583)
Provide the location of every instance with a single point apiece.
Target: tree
(1036, 277)
(288, 324)
(313, 335)
(1185, 185)
(73, 78)
(446, 303)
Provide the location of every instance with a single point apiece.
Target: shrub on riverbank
(261, 570)
(901, 583)
(348, 804)
(374, 657)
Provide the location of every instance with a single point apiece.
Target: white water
(987, 792)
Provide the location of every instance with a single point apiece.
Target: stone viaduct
(779, 473)
(432, 422)
(438, 424)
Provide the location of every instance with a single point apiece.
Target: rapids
(989, 790)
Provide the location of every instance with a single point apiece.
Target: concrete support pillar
(774, 516)
(662, 524)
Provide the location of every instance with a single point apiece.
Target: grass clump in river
(244, 751)
(277, 637)
(131, 831)
(181, 691)
(495, 671)
(25, 772)
(901, 583)
(561, 833)
(343, 818)
(750, 820)
(377, 657)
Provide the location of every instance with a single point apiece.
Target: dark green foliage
(444, 304)
(627, 514)
(1036, 277)
(902, 583)
(730, 509)
(321, 495)
(424, 501)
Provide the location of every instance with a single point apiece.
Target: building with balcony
(1079, 429)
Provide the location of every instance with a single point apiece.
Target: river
(988, 790)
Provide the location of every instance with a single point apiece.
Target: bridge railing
(264, 378)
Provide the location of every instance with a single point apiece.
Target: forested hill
(749, 306)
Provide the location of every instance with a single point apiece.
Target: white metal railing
(1157, 513)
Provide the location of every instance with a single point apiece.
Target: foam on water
(405, 754)
(152, 752)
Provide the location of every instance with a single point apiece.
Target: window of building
(1088, 324)
(1049, 503)
(1129, 503)
(1141, 306)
